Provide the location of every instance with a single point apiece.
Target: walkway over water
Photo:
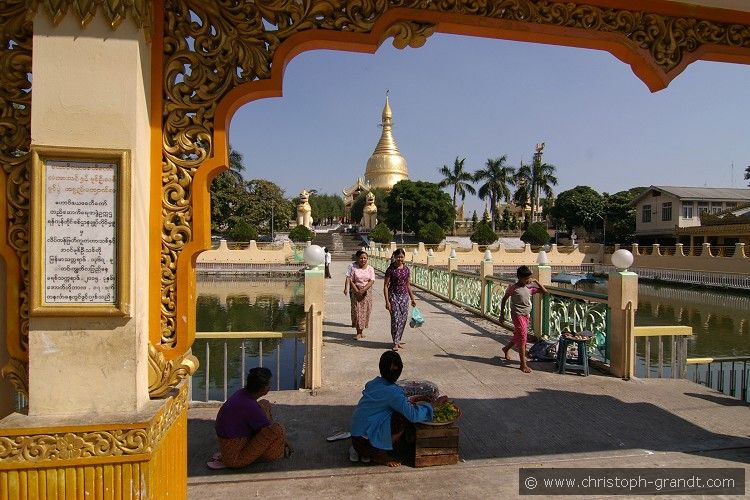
(510, 419)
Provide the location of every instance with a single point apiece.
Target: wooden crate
(435, 445)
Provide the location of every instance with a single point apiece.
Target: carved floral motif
(212, 47)
(96, 444)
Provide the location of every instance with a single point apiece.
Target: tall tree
(747, 174)
(497, 176)
(579, 207)
(542, 179)
(522, 194)
(458, 178)
(423, 202)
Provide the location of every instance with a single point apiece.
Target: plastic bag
(419, 388)
(416, 317)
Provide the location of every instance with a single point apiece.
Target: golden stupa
(386, 166)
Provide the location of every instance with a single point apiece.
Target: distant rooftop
(698, 193)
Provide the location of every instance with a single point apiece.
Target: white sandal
(215, 464)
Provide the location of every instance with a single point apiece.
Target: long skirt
(361, 309)
(399, 315)
(266, 445)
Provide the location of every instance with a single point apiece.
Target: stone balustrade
(501, 256)
(731, 260)
(250, 255)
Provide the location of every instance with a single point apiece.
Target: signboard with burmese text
(80, 232)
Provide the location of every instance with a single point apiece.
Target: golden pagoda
(386, 166)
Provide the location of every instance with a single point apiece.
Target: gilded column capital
(58, 445)
(140, 12)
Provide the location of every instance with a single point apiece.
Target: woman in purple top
(397, 296)
(245, 428)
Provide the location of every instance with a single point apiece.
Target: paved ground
(510, 419)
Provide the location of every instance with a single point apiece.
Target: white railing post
(485, 270)
(543, 274)
(623, 302)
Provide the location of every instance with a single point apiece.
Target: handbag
(416, 317)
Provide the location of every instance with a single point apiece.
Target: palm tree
(523, 186)
(497, 176)
(542, 181)
(459, 178)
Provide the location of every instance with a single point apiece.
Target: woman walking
(398, 293)
(359, 280)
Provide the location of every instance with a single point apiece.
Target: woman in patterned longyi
(398, 293)
(359, 279)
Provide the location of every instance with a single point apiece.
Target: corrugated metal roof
(707, 192)
(699, 193)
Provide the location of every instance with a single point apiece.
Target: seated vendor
(245, 428)
(382, 414)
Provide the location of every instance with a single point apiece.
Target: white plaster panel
(91, 89)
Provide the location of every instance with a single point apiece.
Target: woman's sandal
(215, 464)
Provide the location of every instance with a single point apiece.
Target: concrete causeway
(510, 419)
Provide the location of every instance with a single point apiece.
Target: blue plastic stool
(581, 363)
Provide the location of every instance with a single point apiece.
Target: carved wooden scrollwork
(115, 11)
(15, 161)
(213, 47)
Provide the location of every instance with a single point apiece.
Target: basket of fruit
(444, 413)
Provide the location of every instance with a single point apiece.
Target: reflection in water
(247, 306)
(720, 320)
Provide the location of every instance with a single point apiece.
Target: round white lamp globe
(453, 253)
(314, 255)
(622, 259)
(429, 252)
(542, 258)
(487, 254)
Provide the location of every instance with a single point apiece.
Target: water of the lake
(245, 305)
(720, 320)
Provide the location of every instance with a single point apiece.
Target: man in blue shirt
(380, 417)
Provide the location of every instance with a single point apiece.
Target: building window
(666, 211)
(731, 205)
(702, 207)
(646, 217)
(715, 207)
(687, 209)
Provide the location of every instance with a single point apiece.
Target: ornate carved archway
(212, 56)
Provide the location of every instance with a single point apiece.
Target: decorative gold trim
(16, 372)
(15, 161)
(226, 44)
(164, 375)
(66, 444)
(41, 155)
(115, 11)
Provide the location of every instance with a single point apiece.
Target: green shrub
(431, 233)
(484, 235)
(301, 233)
(243, 231)
(381, 234)
(536, 234)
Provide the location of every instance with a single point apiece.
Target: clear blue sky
(481, 98)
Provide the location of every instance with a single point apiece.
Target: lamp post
(604, 229)
(272, 204)
(402, 221)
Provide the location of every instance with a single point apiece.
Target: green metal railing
(561, 310)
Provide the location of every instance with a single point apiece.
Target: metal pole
(402, 221)
(272, 222)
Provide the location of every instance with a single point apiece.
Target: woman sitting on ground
(383, 413)
(245, 428)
